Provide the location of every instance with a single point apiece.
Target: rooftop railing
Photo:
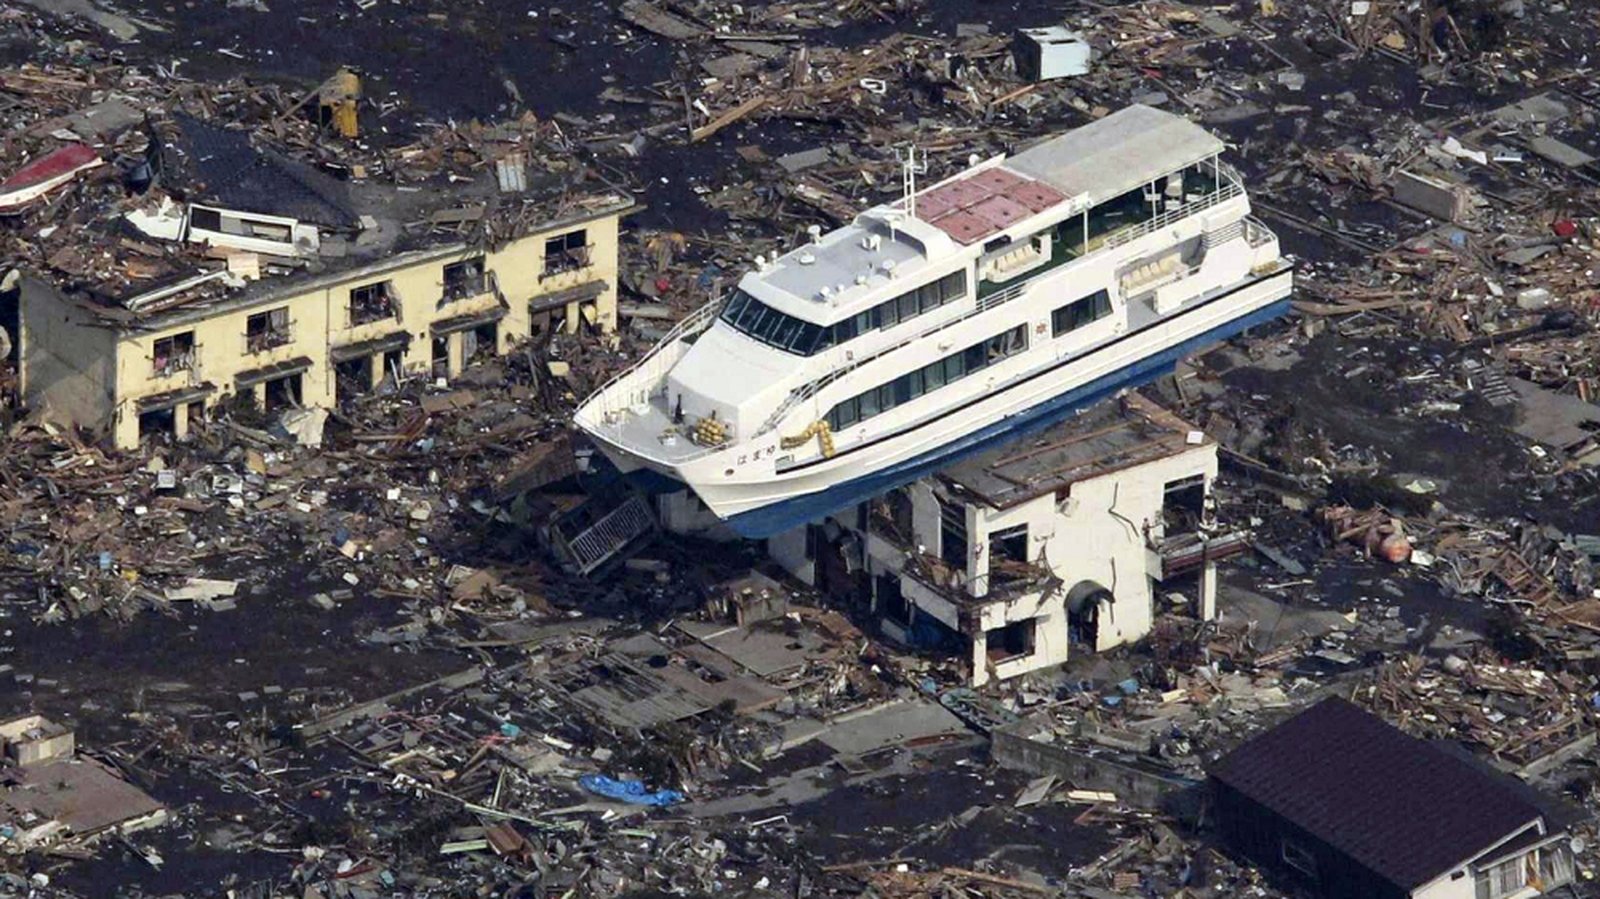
(1227, 189)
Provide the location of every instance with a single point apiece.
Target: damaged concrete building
(240, 271)
(1078, 537)
(51, 796)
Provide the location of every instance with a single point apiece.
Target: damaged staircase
(587, 541)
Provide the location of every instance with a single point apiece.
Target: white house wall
(1463, 887)
(1100, 536)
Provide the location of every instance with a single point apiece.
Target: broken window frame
(465, 279)
(567, 252)
(267, 330)
(1029, 629)
(373, 302)
(173, 353)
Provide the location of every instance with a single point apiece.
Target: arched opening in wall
(1084, 607)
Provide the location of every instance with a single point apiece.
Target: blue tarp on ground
(629, 791)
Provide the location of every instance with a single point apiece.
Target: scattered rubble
(367, 655)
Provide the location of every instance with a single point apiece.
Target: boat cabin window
(929, 378)
(750, 316)
(1082, 312)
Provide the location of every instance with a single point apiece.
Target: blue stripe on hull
(791, 513)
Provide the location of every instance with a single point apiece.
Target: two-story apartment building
(1076, 537)
(299, 289)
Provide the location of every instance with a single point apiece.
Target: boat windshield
(749, 315)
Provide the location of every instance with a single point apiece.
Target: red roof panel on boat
(1000, 211)
(983, 203)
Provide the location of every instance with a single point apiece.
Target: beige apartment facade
(310, 341)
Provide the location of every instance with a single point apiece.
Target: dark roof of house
(1400, 807)
(209, 164)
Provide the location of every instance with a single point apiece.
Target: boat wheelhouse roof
(1108, 158)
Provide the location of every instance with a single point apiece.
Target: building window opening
(157, 422)
(196, 413)
(464, 279)
(1013, 641)
(283, 393)
(1008, 556)
(174, 354)
(266, 330)
(441, 355)
(1504, 879)
(1183, 504)
(394, 363)
(892, 603)
(1084, 603)
(953, 535)
(352, 377)
(567, 253)
(481, 343)
(891, 517)
(372, 302)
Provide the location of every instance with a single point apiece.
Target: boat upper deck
(1106, 159)
(854, 267)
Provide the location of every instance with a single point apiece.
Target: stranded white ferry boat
(1001, 299)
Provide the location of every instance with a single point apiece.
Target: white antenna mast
(910, 167)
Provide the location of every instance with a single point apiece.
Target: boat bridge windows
(756, 319)
(928, 378)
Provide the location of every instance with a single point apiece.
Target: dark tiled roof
(209, 164)
(1399, 806)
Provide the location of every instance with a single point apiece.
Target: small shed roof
(1401, 807)
(1118, 153)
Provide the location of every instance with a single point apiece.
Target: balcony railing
(166, 366)
(261, 341)
(1019, 578)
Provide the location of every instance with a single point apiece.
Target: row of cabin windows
(928, 378)
(1080, 313)
(756, 319)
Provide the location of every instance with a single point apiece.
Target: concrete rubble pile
(341, 650)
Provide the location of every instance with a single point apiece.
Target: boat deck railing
(1226, 190)
(1256, 232)
(646, 374)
